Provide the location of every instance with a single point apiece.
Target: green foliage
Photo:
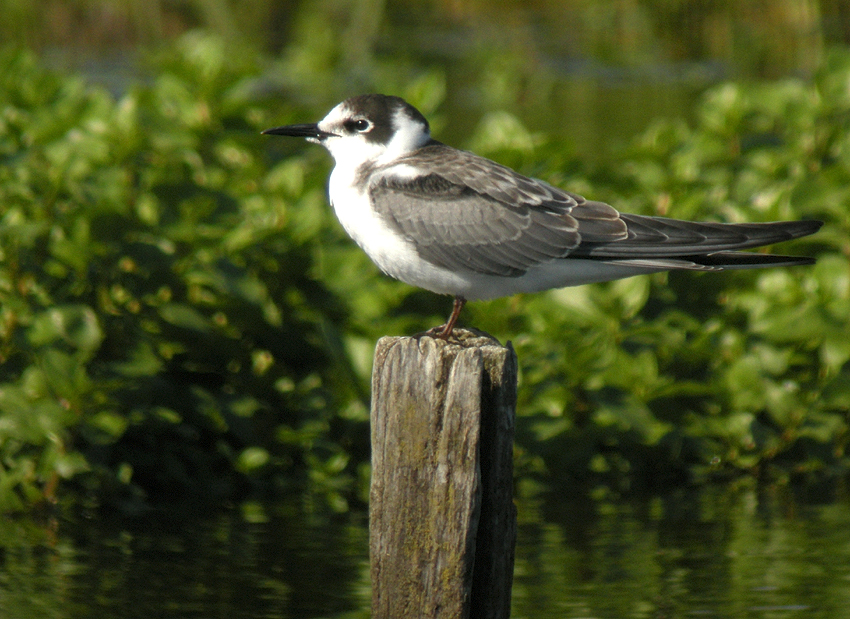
(161, 327)
(636, 380)
(180, 315)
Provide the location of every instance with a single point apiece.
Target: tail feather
(750, 260)
(660, 237)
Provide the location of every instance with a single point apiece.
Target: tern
(455, 223)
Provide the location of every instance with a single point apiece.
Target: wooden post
(442, 522)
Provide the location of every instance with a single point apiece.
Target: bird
(455, 223)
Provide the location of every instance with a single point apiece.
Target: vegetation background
(182, 319)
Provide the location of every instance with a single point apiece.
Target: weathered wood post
(442, 519)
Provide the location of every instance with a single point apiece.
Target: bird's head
(365, 129)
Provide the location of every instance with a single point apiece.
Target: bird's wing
(465, 212)
(462, 211)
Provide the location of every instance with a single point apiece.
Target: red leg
(446, 332)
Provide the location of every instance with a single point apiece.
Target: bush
(705, 375)
(162, 332)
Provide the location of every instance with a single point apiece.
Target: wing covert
(465, 212)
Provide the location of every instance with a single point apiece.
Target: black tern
(454, 223)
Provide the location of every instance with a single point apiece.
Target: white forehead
(338, 115)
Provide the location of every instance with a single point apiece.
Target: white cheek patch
(408, 136)
(353, 149)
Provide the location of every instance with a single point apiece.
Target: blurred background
(186, 334)
(565, 68)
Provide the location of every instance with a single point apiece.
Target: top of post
(461, 338)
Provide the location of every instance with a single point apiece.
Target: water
(717, 552)
(291, 562)
(713, 553)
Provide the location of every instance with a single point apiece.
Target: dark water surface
(712, 553)
(719, 552)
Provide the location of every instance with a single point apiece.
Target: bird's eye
(359, 125)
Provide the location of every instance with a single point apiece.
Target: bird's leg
(446, 332)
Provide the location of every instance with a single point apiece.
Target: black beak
(310, 130)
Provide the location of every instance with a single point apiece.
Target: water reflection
(717, 552)
(293, 563)
(713, 553)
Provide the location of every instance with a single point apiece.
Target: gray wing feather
(460, 229)
(473, 214)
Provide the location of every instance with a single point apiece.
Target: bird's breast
(387, 248)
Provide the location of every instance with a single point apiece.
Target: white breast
(394, 255)
(391, 252)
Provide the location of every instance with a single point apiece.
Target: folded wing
(464, 212)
